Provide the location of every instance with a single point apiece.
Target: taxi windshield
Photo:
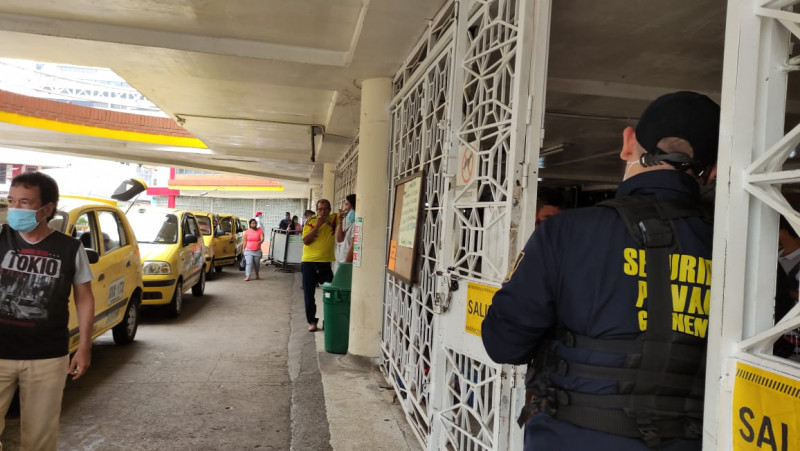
(204, 222)
(155, 227)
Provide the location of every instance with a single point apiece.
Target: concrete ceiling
(608, 60)
(251, 77)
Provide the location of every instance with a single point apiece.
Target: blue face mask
(22, 219)
(351, 216)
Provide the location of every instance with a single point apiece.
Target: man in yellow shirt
(319, 238)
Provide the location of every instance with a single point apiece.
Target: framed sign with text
(405, 223)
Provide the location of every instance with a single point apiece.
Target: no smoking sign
(467, 170)
(467, 164)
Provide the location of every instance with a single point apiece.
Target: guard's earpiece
(678, 160)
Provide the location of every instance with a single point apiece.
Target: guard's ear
(630, 151)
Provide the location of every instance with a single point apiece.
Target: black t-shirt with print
(35, 283)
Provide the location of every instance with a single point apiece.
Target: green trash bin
(336, 296)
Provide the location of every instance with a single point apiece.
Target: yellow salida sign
(479, 298)
(766, 410)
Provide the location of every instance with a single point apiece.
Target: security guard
(610, 303)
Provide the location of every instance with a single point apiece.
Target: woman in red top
(253, 237)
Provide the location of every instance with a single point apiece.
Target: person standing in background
(253, 237)
(344, 230)
(306, 216)
(258, 219)
(285, 222)
(296, 227)
(318, 253)
(548, 203)
(786, 285)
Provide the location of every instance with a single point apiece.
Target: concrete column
(366, 299)
(328, 186)
(316, 194)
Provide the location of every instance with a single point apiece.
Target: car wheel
(200, 287)
(210, 273)
(218, 268)
(125, 331)
(175, 306)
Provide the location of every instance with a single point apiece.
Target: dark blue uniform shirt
(583, 270)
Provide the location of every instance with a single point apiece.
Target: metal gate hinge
(526, 167)
(791, 65)
(529, 110)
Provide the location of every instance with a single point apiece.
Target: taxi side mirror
(219, 233)
(94, 257)
(189, 239)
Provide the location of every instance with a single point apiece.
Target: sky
(75, 175)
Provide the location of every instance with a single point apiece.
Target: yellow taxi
(173, 255)
(3, 209)
(205, 221)
(114, 258)
(227, 240)
(240, 235)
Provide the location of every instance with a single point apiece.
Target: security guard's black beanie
(687, 115)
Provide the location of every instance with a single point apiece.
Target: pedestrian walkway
(362, 411)
(238, 370)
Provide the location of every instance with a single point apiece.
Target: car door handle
(101, 277)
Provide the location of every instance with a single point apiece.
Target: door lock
(446, 285)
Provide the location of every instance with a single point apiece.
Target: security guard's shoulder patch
(514, 266)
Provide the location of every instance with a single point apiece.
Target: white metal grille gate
(753, 150)
(420, 128)
(346, 174)
(454, 396)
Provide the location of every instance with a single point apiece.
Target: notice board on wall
(405, 227)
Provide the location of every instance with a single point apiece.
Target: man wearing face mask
(38, 268)
(610, 303)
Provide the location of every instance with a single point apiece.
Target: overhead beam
(261, 169)
(76, 29)
(618, 90)
(258, 170)
(630, 91)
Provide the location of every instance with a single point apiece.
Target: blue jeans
(252, 260)
(314, 273)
